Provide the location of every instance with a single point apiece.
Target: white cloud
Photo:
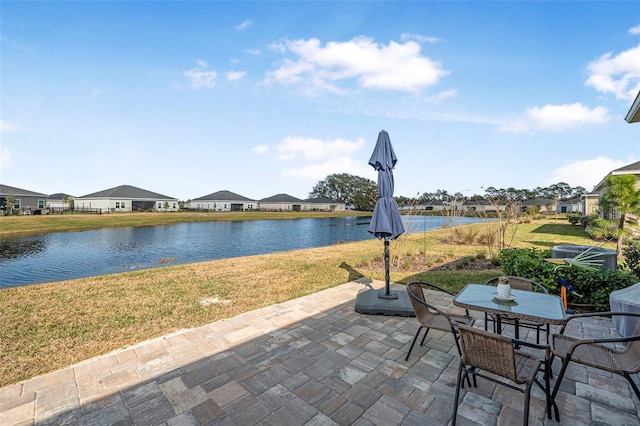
(341, 164)
(200, 77)
(556, 118)
(419, 38)
(235, 75)
(5, 158)
(616, 74)
(439, 97)
(360, 61)
(244, 25)
(6, 127)
(294, 147)
(260, 149)
(635, 30)
(586, 173)
(254, 52)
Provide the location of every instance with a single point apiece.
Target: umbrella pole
(387, 287)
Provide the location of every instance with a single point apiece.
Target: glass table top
(548, 308)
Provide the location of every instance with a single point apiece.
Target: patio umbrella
(386, 223)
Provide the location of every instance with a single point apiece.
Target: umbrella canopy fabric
(386, 222)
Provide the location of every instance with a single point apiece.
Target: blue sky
(261, 98)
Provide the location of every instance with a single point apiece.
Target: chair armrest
(577, 343)
(596, 314)
(422, 283)
(444, 290)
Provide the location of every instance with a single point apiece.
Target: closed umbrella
(386, 223)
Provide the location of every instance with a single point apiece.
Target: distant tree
(11, 201)
(621, 195)
(355, 191)
(165, 206)
(65, 201)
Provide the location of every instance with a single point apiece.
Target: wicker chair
(621, 356)
(430, 316)
(525, 284)
(496, 354)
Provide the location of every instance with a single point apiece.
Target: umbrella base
(369, 302)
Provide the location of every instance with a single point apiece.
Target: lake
(67, 255)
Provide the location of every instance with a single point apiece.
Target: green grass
(49, 326)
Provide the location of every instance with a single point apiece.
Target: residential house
(590, 202)
(223, 201)
(544, 205)
(633, 116)
(56, 202)
(325, 204)
(125, 198)
(283, 202)
(24, 201)
(572, 205)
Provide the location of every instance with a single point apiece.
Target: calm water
(67, 255)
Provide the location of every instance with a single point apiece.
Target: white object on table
(625, 300)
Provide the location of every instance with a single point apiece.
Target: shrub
(573, 218)
(594, 286)
(603, 229)
(631, 252)
(585, 221)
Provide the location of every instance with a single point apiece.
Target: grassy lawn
(48, 326)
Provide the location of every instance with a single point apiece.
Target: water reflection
(68, 255)
(14, 248)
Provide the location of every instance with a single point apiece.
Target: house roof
(223, 196)
(11, 190)
(127, 191)
(629, 169)
(323, 200)
(633, 116)
(281, 198)
(537, 201)
(59, 196)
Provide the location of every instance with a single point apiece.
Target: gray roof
(322, 200)
(537, 201)
(11, 190)
(58, 196)
(281, 198)
(633, 116)
(129, 192)
(633, 167)
(223, 195)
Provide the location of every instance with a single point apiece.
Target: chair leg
(556, 388)
(454, 416)
(413, 343)
(424, 337)
(527, 395)
(633, 385)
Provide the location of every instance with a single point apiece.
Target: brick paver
(309, 361)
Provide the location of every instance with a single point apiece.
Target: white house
(125, 198)
(325, 204)
(590, 202)
(283, 202)
(223, 201)
(56, 201)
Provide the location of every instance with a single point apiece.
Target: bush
(585, 221)
(594, 286)
(573, 218)
(603, 229)
(631, 251)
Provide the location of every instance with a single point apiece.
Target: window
(159, 205)
(41, 204)
(122, 205)
(16, 203)
(174, 205)
(117, 204)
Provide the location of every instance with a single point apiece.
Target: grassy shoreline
(42, 224)
(49, 326)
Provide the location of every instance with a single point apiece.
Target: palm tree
(621, 195)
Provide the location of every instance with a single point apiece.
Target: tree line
(361, 194)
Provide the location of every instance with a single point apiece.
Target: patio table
(528, 305)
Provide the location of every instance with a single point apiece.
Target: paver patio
(308, 361)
